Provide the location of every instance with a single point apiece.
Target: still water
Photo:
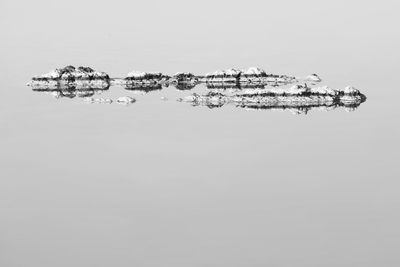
(162, 183)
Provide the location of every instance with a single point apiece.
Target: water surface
(161, 183)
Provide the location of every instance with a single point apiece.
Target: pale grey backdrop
(160, 183)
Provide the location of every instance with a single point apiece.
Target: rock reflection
(146, 88)
(69, 91)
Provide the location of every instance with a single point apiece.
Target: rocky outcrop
(71, 77)
(252, 76)
(145, 76)
(70, 73)
(184, 77)
(251, 88)
(219, 76)
(298, 98)
(138, 77)
(150, 81)
(87, 77)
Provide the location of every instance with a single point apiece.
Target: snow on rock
(224, 73)
(54, 74)
(232, 72)
(350, 90)
(298, 90)
(136, 74)
(323, 90)
(253, 71)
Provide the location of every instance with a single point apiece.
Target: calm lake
(163, 183)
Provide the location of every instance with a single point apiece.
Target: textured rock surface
(138, 77)
(70, 73)
(184, 80)
(71, 77)
(300, 98)
(249, 76)
(151, 81)
(184, 77)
